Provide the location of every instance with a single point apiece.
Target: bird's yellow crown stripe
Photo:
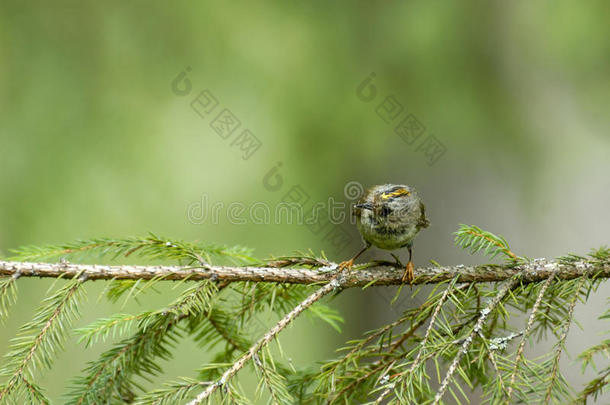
(399, 192)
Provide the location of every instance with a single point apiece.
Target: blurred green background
(95, 140)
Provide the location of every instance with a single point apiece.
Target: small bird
(389, 216)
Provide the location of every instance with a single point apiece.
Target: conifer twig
(41, 336)
(494, 363)
(416, 362)
(147, 343)
(491, 305)
(458, 327)
(530, 324)
(279, 326)
(561, 342)
(533, 271)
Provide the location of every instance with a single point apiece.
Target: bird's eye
(385, 211)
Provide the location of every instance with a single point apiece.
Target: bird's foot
(398, 262)
(346, 265)
(383, 263)
(408, 275)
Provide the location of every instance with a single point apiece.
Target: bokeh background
(98, 136)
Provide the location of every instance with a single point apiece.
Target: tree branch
(492, 303)
(526, 332)
(228, 374)
(533, 271)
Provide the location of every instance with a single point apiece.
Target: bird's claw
(408, 275)
(346, 265)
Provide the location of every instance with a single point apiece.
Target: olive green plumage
(389, 216)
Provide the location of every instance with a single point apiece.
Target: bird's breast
(384, 233)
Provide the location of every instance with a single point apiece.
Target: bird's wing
(422, 221)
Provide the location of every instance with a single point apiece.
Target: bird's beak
(365, 206)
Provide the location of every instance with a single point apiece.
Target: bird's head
(386, 199)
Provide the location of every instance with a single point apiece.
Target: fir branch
(221, 324)
(587, 356)
(560, 343)
(494, 362)
(360, 350)
(34, 392)
(274, 381)
(342, 377)
(151, 246)
(374, 369)
(8, 295)
(401, 376)
(171, 393)
(595, 387)
(279, 298)
(228, 374)
(528, 328)
(211, 328)
(43, 337)
(308, 259)
(463, 324)
(218, 325)
(491, 305)
(532, 271)
(474, 238)
(112, 374)
(101, 329)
